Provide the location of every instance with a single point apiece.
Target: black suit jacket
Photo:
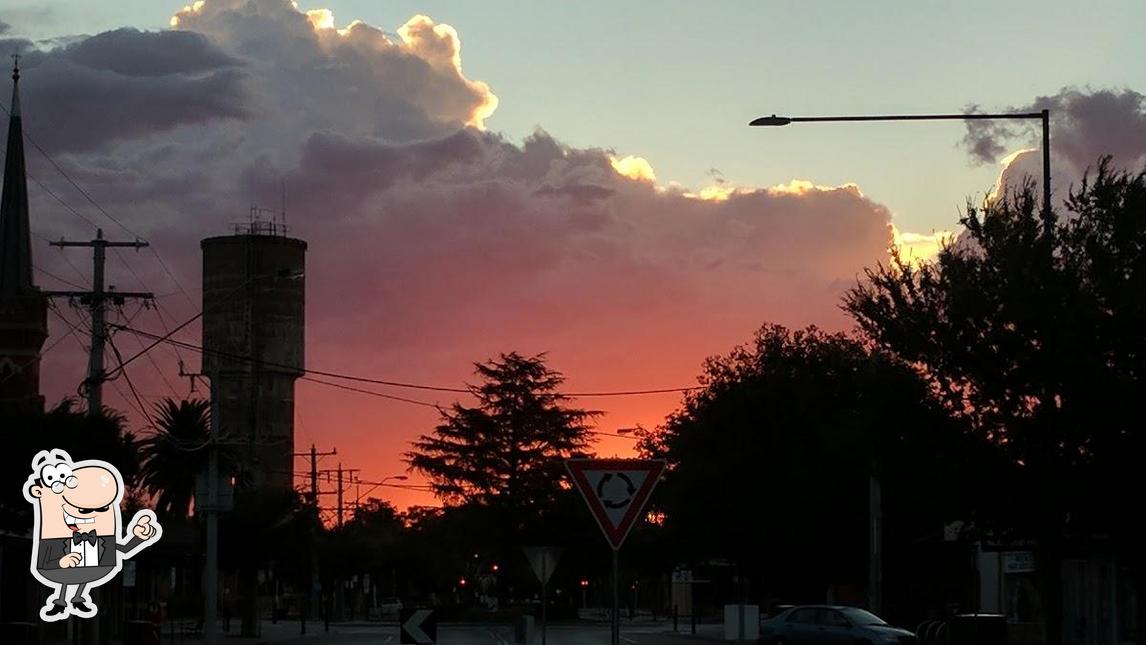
(52, 549)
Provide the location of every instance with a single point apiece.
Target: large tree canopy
(1032, 330)
(83, 436)
(509, 449)
(1030, 327)
(770, 461)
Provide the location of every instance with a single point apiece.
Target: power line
(166, 338)
(49, 348)
(88, 197)
(56, 277)
(130, 385)
(363, 379)
(171, 275)
(74, 268)
(65, 175)
(150, 358)
(51, 193)
(372, 393)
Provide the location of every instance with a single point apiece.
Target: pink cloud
(434, 244)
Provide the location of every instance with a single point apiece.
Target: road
(503, 634)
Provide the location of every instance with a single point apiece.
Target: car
(831, 625)
(389, 608)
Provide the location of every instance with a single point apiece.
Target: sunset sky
(570, 178)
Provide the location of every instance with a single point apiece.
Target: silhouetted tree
(81, 435)
(372, 542)
(509, 449)
(499, 465)
(769, 463)
(1030, 329)
(175, 453)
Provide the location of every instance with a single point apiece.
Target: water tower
(254, 339)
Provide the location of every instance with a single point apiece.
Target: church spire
(15, 231)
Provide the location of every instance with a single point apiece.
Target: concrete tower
(253, 337)
(23, 308)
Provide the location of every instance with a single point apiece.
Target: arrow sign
(616, 491)
(418, 627)
(543, 559)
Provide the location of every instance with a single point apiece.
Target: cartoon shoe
(52, 612)
(83, 607)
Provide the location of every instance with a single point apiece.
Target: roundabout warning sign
(616, 491)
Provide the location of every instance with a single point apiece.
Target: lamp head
(771, 120)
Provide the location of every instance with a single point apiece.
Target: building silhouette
(253, 340)
(23, 307)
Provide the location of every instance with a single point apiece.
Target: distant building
(23, 307)
(253, 340)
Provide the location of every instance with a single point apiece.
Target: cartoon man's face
(81, 499)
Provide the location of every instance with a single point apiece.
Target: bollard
(674, 618)
(692, 616)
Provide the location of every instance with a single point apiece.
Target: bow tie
(80, 536)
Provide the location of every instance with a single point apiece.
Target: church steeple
(15, 232)
(23, 308)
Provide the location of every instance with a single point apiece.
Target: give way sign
(616, 491)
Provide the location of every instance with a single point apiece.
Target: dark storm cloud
(128, 84)
(1085, 124)
(131, 52)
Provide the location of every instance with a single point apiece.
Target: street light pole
(1043, 116)
(358, 496)
(875, 497)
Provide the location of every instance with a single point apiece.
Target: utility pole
(875, 543)
(211, 507)
(352, 473)
(211, 587)
(96, 301)
(314, 475)
(313, 455)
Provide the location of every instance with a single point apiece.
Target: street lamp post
(1043, 116)
(875, 510)
(359, 496)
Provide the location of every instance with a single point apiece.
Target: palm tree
(175, 453)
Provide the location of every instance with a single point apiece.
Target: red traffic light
(584, 583)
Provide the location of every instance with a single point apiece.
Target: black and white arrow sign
(418, 627)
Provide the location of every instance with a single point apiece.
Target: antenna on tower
(283, 180)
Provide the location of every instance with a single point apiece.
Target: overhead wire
(150, 358)
(65, 175)
(375, 381)
(167, 269)
(56, 277)
(130, 385)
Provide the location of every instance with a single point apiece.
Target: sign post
(543, 560)
(615, 491)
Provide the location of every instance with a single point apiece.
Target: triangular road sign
(543, 559)
(616, 491)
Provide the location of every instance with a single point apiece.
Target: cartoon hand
(70, 560)
(143, 528)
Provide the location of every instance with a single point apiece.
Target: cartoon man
(76, 536)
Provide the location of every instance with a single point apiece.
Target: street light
(358, 497)
(1044, 116)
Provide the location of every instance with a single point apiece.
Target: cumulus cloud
(432, 242)
(1085, 125)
